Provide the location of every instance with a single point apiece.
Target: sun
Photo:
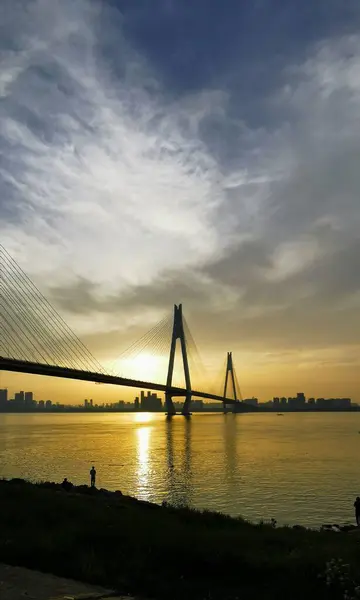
(144, 367)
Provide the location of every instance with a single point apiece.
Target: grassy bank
(162, 552)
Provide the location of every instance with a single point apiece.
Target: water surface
(299, 468)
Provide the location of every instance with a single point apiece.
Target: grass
(163, 552)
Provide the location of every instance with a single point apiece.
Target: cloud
(302, 268)
(294, 279)
(98, 162)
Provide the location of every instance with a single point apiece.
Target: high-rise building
(19, 399)
(150, 402)
(29, 399)
(3, 398)
(297, 403)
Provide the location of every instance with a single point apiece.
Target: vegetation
(163, 552)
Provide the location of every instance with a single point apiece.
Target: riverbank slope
(135, 547)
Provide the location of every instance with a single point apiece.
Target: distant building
(29, 400)
(48, 404)
(252, 401)
(210, 406)
(298, 403)
(137, 403)
(197, 405)
(41, 404)
(342, 403)
(3, 398)
(19, 400)
(150, 402)
(333, 403)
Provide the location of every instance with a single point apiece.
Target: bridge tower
(230, 372)
(178, 334)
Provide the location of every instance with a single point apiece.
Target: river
(297, 468)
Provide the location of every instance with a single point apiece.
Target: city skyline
(149, 401)
(69, 392)
(140, 172)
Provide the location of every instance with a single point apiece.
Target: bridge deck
(19, 366)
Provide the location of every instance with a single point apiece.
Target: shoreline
(135, 547)
(84, 489)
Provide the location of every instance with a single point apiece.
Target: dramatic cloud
(97, 162)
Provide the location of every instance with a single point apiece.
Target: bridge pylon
(230, 373)
(178, 333)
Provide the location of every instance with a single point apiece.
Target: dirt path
(17, 583)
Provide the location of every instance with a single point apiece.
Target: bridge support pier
(229, 408)
(187, 406)
(230, 371)
(178, 333)
(169, 405)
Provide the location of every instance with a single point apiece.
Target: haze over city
(142, 168)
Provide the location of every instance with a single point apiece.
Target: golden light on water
(143, 437)
(142, 418)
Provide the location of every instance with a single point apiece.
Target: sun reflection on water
(142, 417)
(143, 436)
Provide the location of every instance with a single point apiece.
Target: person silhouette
(357, 510)
(92, 476)
(66, 485)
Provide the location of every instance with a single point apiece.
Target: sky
(204, 152)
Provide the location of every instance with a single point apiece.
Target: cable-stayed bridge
(35, 339)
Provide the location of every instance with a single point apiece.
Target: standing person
(357, 510)
(92, 476)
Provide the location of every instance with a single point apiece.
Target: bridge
(35, 339)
